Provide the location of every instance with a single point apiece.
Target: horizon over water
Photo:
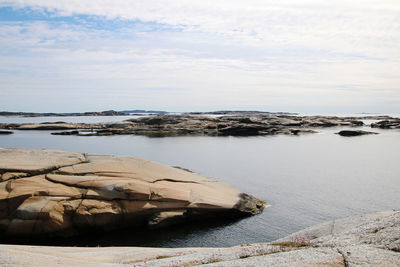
(306, 179)
(100, 119)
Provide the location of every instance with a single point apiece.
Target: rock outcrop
(363, 240)
(387, 124)
(49, 192)
(95, 113)
(178, 125)
(354, 133)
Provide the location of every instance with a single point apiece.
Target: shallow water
(306, 179)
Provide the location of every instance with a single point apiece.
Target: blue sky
(301, 56)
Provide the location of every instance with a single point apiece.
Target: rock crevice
(64, 193)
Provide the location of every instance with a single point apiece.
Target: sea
(306, 179)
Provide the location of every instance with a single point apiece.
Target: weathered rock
(37, 160)
(387, 124)
(364, 240)
(51, 126)
(46, 192)
(354, 133)
(381, 229)
(240, 124)
(12, 175)
(66, 133)
(100, 113)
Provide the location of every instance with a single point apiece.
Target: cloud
(252, 52)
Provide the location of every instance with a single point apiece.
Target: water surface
(72, 119)
(306, 179)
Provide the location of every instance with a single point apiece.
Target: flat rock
(6, 132)
(37, 160)
(381, 229)
(51, 126)
(353, 241)
(49, 192)
(392, 123)
(354, 133)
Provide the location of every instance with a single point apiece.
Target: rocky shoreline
(46, 193)
(233, 125)
(363, 240)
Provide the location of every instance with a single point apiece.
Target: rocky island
(78, 114)
(236, 124)
(49, 192)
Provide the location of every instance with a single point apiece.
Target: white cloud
(247, 52)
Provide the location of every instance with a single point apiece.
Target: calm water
(74, 119)
(306, 179)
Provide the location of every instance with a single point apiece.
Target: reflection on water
(306, 179)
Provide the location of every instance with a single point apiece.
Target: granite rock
(362, 240)
(49, 192)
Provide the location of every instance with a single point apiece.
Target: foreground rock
(48, 192)
(364, 240)
(354, 133)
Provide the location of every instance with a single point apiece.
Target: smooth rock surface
(364, 240)
(49, 192)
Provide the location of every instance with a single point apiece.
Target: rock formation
(354, 133)
(49, 192)
(95, 113)
(363, 240)
(387, 124)
(178, 125)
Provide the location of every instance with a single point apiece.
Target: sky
(311, 56)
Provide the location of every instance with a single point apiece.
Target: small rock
(354, 133)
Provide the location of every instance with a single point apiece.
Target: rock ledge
(49, 192)
(363, 240)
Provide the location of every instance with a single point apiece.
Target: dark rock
(357, 123)
(387, 124)
(66, 133)
(240, 130)
(6, 132)
(354, 133)
(178, 125)
(300, 131)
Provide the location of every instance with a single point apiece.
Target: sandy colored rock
(12, 175)
(36, 160)
(48, 192)
(51, 126)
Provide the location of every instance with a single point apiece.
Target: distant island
(92, 113)
(138, 111)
